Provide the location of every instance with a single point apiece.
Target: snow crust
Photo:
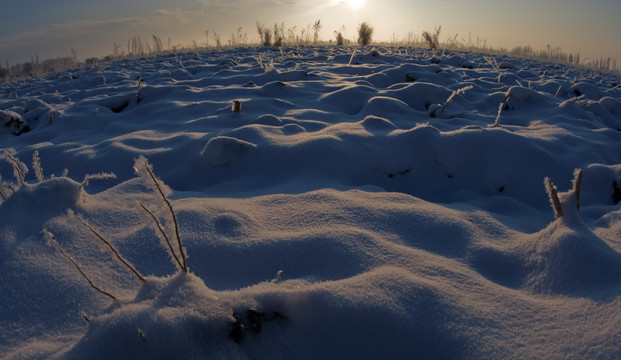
(389, 204)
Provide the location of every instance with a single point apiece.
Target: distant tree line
(35, 67)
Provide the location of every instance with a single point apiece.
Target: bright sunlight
(356, 4)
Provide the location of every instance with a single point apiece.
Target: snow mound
(224, 150)
(13, 122)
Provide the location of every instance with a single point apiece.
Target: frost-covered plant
(19, 171)
(555, 201)
(19, 168)
(145, 171)
(340, 40)
(432, 40)
(267, 67)
(111, 247)
(99, 176)
(365, 33)
(441, 108)
(279, 34)
(497, 120)
(3, 187)
(49, 237)
(265, 34)
(316, 28)
(36, 165)
(492, 62)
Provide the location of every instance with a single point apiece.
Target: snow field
(385, 205)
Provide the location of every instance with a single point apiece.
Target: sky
(48, 29)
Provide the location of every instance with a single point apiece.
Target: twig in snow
(161, 230)
(149, 173)
(577, 185)
(112, 248)
(352, 57)
(99, 176)
(36, 165)
(19, 168)
(497, 121)
(48, 235)
(552, 193)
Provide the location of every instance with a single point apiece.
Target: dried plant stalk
(112, 248)
(552, 193)
(161, 230)
(184, 265)
(90, 282)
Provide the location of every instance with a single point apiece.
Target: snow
(385, 204)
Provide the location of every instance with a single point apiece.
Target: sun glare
(356, 4)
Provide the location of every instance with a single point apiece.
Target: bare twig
(19, 174)
(99, 176)
(552, 192)
(184, 266)
(497, 121)
(53, 242)
(578, 185)
(3, 195)
(36, 165)
(112, 248)
(161, 230)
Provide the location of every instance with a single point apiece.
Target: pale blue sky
(51, 28)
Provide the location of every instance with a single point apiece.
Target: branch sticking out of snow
(98, 176)
(497, 121)
(3, 194)
(564, 204)
(19, 168)
(433, 111)
(36, 165)
(577, 183)
(112, 249)
(164, 236)
(49, 237)
(553, 195)
(144, 169)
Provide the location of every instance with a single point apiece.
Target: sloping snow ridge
(388, 204)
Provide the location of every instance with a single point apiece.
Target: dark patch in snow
(402, 172)
(120, 107)
(616, 195)
(252, 321)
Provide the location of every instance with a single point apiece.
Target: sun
(355, 4)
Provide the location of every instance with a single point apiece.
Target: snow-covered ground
(388, 204)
